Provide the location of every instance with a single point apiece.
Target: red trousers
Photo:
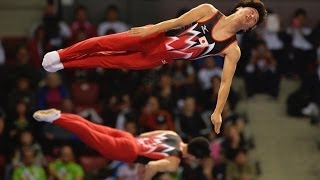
(111, 143)
(117, 51)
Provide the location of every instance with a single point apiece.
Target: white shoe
(311, 110)
(49, 115)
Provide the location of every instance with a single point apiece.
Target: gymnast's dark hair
(256, 4)
(199, 147)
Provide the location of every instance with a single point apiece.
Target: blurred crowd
(179, 96)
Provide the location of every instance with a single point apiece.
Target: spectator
(27, 141)
(181, 72)
(2, 55)
(65, 167)
(311, 84)
(207, 72)
(20, 119)
(114, 82)
(303, 51)
(23, 67)
(248, 42)
(131, 125)
(67, 106)
(85, 96)
(184, 78)
(306, 100)
(145, 89)
(315, 37)
(125, 108)
(161, 123)
(192, 170)
(207, 166)
(110, 111)
(3, 130)
(56, 31)
(232, 142)
(81, 25)
(215, 144)
(261, 72)
(277, 41)
(311, 87)
(165, 93)
(303, 100)
(36, 47)
(22, 92)
(219, 171)
(52, 94)
(189, 123)
(299, 30)
(209, 97)
(29, 169)
(4, 142)
(231, 117)
(128, 172)
(23, 56)
(153, 116)
(270, 30)
(6, 78)
(112, 24)
(241, 168)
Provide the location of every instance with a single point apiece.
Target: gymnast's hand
(142, 31)
(216, 120)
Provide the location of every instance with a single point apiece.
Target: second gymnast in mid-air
(159, 151)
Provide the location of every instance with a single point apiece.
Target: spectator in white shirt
(210, 70)
(304, 53)
(112, 24)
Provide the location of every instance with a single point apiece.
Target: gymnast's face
(248, 17)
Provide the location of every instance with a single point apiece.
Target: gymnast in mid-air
(159, 151)
(202, 31)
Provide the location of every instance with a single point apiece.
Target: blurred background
(271, 120)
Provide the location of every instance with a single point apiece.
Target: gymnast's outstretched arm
(199, 13)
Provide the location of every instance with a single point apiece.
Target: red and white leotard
(195, 40)
(158, 146)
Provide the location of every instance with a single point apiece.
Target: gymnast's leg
(111, 143)
(115, 43)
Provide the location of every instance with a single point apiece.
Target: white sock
(48, 119)
(51, 62)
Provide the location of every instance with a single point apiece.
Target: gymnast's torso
(158, 146)
(195, 41)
